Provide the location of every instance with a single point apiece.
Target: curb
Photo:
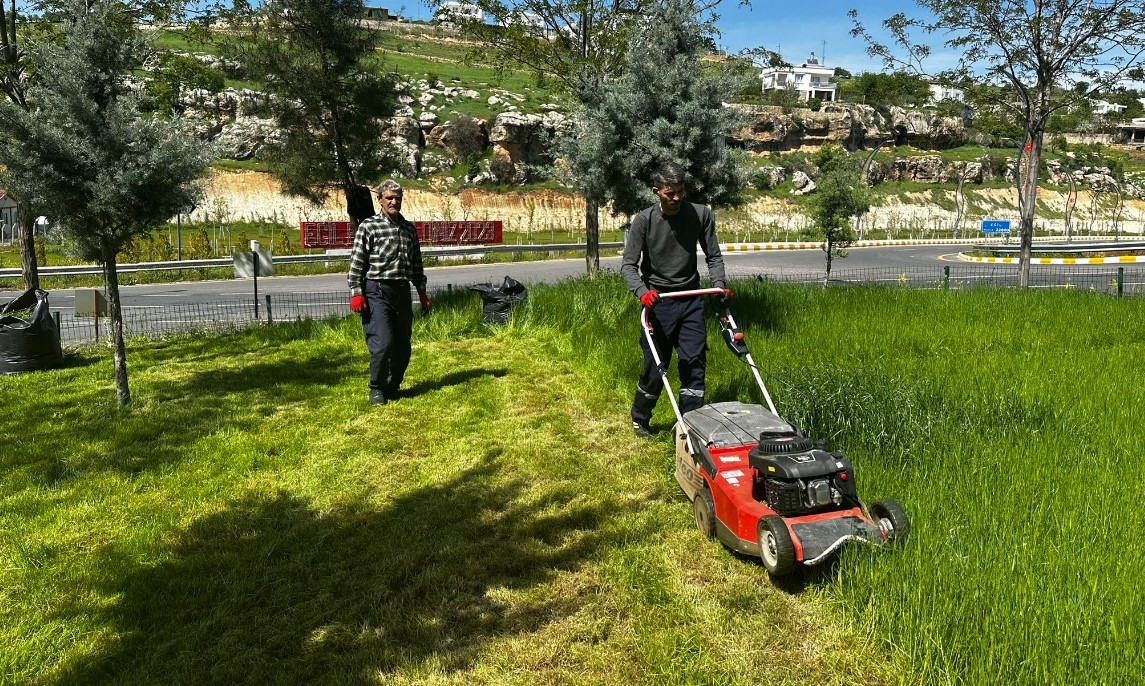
(1123, 259)
(753, 247)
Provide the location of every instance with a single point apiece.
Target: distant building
(9, 219)
(809, 80)
(940, 92)
(378, 13)
(533, 21)
(458, 10)
(1104, 107)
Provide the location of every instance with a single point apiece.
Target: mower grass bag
(29, 338)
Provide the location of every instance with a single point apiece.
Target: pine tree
(109, 173)
(664, 108)
(320, 63)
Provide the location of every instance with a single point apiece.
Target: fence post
(1120, 281)
(56, 320)
(946, 277)
(269, 315)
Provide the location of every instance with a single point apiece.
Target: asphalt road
(887, 261)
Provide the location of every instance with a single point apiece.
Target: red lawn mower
(759, 485)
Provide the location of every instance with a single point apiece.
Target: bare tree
(1036, 49)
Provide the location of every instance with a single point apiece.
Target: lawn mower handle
(726, 322)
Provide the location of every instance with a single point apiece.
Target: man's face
(391, 203)
(670, 196)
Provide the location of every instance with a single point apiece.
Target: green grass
(251, 519)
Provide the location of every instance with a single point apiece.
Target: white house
(8, 218)
(940, 92)
(1103, 107)
(810, 79)
(459, 10)
(536, 23)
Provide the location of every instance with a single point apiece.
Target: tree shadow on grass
(274, 591)
(64, 436)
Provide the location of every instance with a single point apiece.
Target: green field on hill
(249, 518)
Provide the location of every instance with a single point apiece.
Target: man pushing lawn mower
(660, 257)
(755, 481)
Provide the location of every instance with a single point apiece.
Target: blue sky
(795, 27)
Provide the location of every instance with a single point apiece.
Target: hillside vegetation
(427, 54)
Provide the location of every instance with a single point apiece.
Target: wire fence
(204, 317)
(222, 316)
(1111, 280)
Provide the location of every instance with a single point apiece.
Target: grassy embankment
(250, 519)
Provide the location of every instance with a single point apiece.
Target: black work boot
(377, 397)
(642, 430)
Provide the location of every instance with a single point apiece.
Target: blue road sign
(995, 226)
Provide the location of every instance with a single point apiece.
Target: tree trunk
(592, 235)
(830, 251)
(1028, 206)
(115, 316)
(29, 266)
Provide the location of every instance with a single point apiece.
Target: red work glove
(425, 301)
(358, 304)
(650, 298)
(726, 296)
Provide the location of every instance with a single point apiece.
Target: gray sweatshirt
(660, 253)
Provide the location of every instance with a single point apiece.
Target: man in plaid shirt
(385, 259)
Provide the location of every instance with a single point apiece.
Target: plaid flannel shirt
(385, 250)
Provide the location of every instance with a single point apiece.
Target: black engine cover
(805, 464)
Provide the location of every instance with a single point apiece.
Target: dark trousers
(679, 324)
(388, 324)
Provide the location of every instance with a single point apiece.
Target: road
(160, 309)
(774, 263)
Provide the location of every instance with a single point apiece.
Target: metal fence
(220, 316)
(1111, 280)
(157, 322)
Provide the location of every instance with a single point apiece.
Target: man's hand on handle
(358, 304)
(650, 298)
(726, 296)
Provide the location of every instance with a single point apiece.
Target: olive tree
(840, 195)
(1037, 49)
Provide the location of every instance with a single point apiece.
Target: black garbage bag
(29, 337)
(499, 300)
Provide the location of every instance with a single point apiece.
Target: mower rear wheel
(705, 510)
(775, 546)
(892, 519)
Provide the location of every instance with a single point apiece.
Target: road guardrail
(442, 251)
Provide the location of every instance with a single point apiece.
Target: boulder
(803, 183)
(457, 139)
(247, 137)
(427, 120)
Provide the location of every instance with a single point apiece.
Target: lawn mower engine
(794, 478)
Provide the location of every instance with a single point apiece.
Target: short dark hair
(668, 173)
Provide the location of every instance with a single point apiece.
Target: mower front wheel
(704, 509)
(775, 546)
(892, 520)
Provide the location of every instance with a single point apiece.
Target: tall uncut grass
(1008, 425)
(250, 519)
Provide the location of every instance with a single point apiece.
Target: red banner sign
(459, 233)
(337, 234)
(326, 234)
